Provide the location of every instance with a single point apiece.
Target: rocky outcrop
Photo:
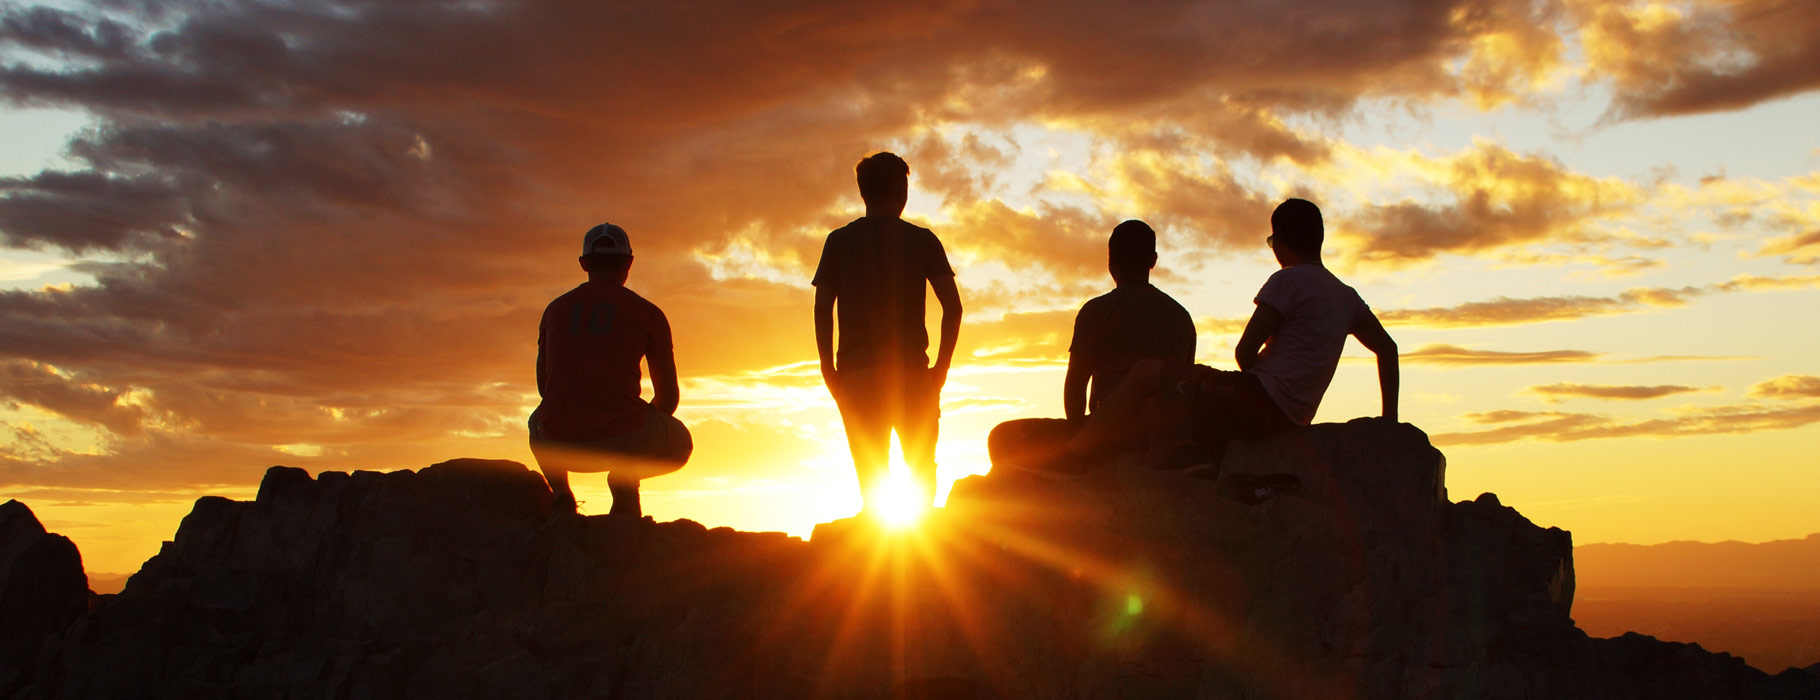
(457, 581)
(42, 589)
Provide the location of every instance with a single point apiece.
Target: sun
(902, 503)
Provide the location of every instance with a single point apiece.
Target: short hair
(1132, 243)
(1297, 223)
(882, 173)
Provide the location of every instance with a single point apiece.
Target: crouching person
(592, 418)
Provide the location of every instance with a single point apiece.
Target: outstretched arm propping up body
(1372, 335)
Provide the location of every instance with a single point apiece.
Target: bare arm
(1265, 320)
(1372, 335)
(824, 331)
(950, 297)
(663, 380)
(1074, 387)
(540, 366)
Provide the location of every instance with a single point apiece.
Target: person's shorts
(660, 446)
(1224, 403)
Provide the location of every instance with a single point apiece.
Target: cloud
(1554, 426)
(1453, 355)
(1666, 59)
(41, 386)
(1799, 249)
(1788, 386)
(337, 223)
(1556, 393)
(1456, 356)
(1507, 311)
(1494, 200)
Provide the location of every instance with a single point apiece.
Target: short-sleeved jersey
(591, 340)
(879, 268)
(1297, 363)
(1116, 329)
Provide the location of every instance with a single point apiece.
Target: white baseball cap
(606, 239)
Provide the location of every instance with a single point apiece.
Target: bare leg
(549, 461)
(559, 485)
(625, 496)
(918, 427)
(1127, 415)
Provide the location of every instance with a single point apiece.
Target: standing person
(1286, 358)
(592, 418)
(1135, 321)
(875, 269)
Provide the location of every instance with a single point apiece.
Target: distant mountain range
(1760, 602)
(1782, 564)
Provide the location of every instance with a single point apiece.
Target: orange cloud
(1500, 200)
(1800, 249)
(1556, 393)
(1788, 386)
(1553, 426)
(1506, 311)
(337, 224)
(41, 386)
(1684, 58)
(1457, 356)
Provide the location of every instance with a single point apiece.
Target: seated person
(1112, 332)
(592, 418)
(1286, 358)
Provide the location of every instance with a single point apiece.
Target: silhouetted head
(606, 253)
(1295, 228)
(1131, 252)
(884, 182)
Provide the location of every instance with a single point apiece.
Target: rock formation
(42, 589)
(457, 581)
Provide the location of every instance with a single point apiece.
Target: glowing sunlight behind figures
(902, 503)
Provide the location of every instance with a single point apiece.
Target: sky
(321, 234)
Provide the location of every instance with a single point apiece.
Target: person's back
(872, 272)
(881, 266)
(1129, 324)
(1286, 358)
(594, 337)
(1297, 362)
(1112, 334)
(592, 417)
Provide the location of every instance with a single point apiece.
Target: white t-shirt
(1297, 363)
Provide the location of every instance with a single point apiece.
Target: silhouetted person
(592, 418)
(1286, 358)
(1112, 333)
(874, 269)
